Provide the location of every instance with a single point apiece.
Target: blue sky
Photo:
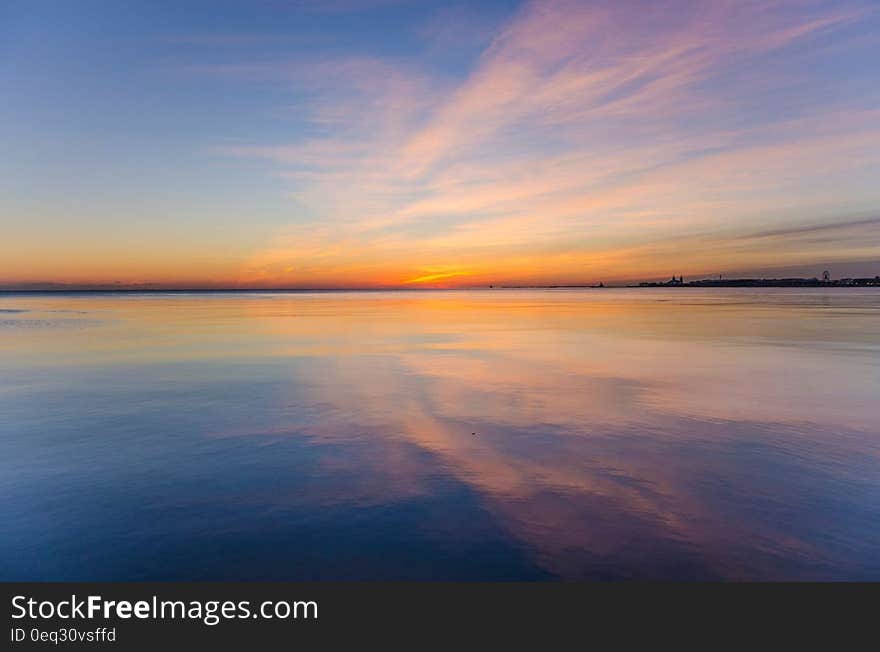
(389, 143)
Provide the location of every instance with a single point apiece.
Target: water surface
(508, 434)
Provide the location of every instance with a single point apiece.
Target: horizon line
(102, 289)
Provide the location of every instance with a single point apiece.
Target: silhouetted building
(826, 281)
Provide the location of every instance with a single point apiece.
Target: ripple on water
(45, 324)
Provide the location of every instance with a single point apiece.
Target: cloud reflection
(491, 434)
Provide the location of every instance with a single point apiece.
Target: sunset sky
(374, 143)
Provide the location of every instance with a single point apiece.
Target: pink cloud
(583, 132)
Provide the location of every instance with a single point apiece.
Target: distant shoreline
(716, 284)
(768, 283)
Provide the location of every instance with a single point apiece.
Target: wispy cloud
(586, 141)
(431, 278)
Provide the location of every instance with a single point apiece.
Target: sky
(374, 143)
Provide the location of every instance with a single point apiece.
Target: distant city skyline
(384, 144)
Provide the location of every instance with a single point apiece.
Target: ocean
(570, 434)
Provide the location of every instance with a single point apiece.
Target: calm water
(507, 434)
